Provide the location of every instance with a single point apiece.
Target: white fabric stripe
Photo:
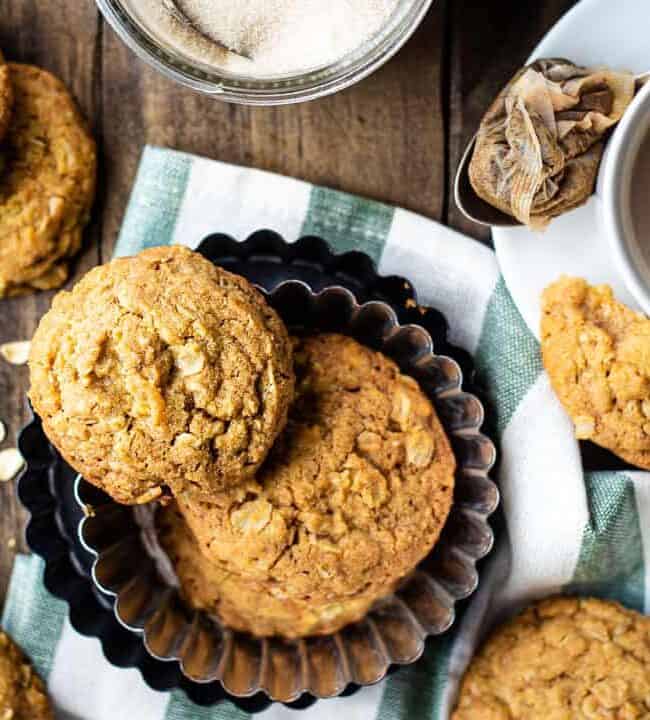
(360, 706)
(83, 684)
(476, 621)
(547, 511)
(545, 502)
(451, 272)
(237, 201)
(641, 482)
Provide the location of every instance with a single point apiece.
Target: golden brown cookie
(6, 97)
(47, 185)
(564, 658)
(353, 495)
(22, 693)
(161, 371)
(597, 354)
(243, 603)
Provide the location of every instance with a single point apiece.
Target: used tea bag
(539, 145)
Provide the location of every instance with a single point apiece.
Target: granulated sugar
(276, 36)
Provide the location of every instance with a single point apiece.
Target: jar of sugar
(265, 52)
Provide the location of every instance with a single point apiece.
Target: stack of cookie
(300, 478)
(353, 495)
(47, 179)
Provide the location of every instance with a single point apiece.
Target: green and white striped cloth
(566, 530)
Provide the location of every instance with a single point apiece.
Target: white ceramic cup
(631, 253)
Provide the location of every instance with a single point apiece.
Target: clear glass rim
(279, 90)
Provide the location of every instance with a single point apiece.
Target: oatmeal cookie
(597, 354)
(47, 186)
(161, 372)
(562, 658)
(22, 692)
(6, 97)
(353, 495)
(255, 606)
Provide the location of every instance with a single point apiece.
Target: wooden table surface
(397, 136)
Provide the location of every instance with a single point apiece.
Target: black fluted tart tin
(303, 279)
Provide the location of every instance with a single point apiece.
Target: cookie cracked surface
(47, 184)
(562, 659)
(22, 692)
(351, 498)
(6, 97)
(161, 371)
(597, 354)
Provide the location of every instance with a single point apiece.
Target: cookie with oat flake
(573, 658)
(597, 355)
(161, 374)
(47, 185)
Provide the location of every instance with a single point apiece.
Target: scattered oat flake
(3, 432)
(149, 496)
(11, 463)
(16, 353)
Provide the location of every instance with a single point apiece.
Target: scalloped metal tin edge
(395, 631)
(40, 489)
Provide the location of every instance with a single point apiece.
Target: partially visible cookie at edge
(6, 98)
(597, 354)
(162, 372)
(22, 692)
(47, 185)
(564, 657)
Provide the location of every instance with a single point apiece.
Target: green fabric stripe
(611, 562)
(32, 616)
(416, 691)
(348, 222)
(180, 708)
(508, 359)
(148, 222)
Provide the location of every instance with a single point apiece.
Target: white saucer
(615, 33)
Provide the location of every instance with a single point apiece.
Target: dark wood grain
(396, 137)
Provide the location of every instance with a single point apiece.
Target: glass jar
(178, 64)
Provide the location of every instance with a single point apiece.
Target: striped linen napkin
(566, 530)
